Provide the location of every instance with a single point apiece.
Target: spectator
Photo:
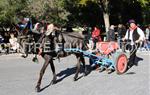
(96, 36)
(13, 43)
(147, 31)
(36, 28)
(111, 33)
(121, 33)
(121, 30)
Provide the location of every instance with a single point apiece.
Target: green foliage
(50, 10)
(9, 11)
(144, 2)
(76, 12)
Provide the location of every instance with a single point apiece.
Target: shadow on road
(45, 87)
(137, 59)
(66, 73)
(70, 71)
(130, 73)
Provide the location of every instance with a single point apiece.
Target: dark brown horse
(58, 41)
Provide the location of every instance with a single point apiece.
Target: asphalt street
(18, 76)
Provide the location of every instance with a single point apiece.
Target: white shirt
(140, 32)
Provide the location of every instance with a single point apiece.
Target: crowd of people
(120, 32)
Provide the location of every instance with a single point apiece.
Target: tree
(76, 12)
(10, 10)
(50, 10)
(146, 10)
(104, 8)
(119, 11)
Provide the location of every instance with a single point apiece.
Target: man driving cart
(134, 38)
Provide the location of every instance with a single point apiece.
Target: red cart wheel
(121, 64)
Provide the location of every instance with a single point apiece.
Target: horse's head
(58, 40)
(55, 33)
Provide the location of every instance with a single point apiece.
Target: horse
(58, 41)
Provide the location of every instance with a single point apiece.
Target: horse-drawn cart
(112, 53)
(107, 56)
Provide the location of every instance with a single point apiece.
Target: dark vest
(135, 35)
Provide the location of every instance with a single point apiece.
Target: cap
(131, 21)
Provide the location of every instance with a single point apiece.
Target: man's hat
(131, 21)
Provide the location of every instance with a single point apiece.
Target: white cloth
(140, 32)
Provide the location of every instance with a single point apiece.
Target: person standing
(96, 36)
(147, 31)
(121, 30)
(135, 36)
(111, 33)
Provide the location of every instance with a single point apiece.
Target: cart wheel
(121, 63)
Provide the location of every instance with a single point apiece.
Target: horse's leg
(78, 67)
(47, 59)
(84, 66)
(53, 71)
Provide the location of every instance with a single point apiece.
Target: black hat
(131, 21)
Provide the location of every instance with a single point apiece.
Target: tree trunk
(106, 21)
(103, 4)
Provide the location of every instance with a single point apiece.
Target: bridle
(58, 41)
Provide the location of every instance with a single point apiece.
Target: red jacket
(96, 34)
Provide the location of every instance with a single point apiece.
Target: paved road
(18, 76)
